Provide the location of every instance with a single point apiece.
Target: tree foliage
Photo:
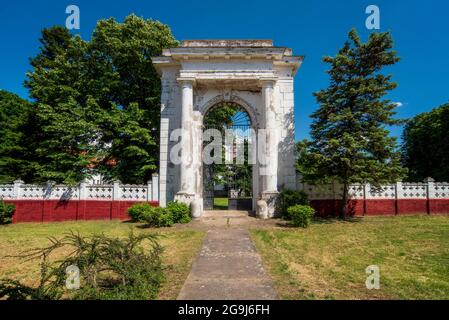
(97, 101)
(350, 141)
(16, 135)
(425, 149)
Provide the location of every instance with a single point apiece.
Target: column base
(271, 199)
(185, 197)
(190, 199)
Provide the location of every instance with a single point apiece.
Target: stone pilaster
(187, 177)
(270, 165)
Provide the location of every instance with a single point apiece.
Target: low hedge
(290, 198)
(301, 215)
(175, 212)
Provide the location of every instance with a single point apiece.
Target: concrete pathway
(228, 266)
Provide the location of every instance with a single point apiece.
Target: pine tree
(350, 140)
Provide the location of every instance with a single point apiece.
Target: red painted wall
(53, 210)
(379, 207)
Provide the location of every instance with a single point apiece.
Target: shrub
(6, 212)
(290, 198)
(158, 217)
(180, 211)
(301, 215)
(138, 212)
(109, 269)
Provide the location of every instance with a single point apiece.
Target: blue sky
(313, 28)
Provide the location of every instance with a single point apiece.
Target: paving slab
(228, 267)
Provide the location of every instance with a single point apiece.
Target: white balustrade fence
(398, 190)
(49, 191)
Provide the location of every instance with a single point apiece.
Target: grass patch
(221, 203)
(180, 248)
(328, 260)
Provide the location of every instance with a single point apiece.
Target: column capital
(190, 81)
(267, 82)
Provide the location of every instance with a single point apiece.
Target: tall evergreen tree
(350, 142)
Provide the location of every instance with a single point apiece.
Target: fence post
(149, 190)
(17, 185)
(82, 191)
(364, 199)
(430, 193)
(398, 194)
(368, 197)
(116, 190)
(155, 187)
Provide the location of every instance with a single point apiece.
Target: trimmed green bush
(301, 215)
(290, 198)
(138, 212)
(6, 212)
(180, 211)
(176, 212)
(159, 217)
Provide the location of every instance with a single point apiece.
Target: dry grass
(181, 247)
(328, 260)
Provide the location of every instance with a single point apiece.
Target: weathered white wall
(170, 120)
(284, 92)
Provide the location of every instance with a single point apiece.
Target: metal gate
(234, 178)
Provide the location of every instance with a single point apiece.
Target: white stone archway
(252, 73)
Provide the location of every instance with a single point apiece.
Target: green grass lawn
(328, 260)
(221, 203)
(180, 248)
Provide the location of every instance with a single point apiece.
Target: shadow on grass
(337, 220)
(319, 221)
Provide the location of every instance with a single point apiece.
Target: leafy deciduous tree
(425, 149)
(97, 102)
(15, 132)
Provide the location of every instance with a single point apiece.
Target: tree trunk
(344, 202)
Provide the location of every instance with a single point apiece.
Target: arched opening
(228, 158)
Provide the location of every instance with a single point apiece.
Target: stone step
(225, 214)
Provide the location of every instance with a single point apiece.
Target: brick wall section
(72, 210)
(383, 207)
(428, 197)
